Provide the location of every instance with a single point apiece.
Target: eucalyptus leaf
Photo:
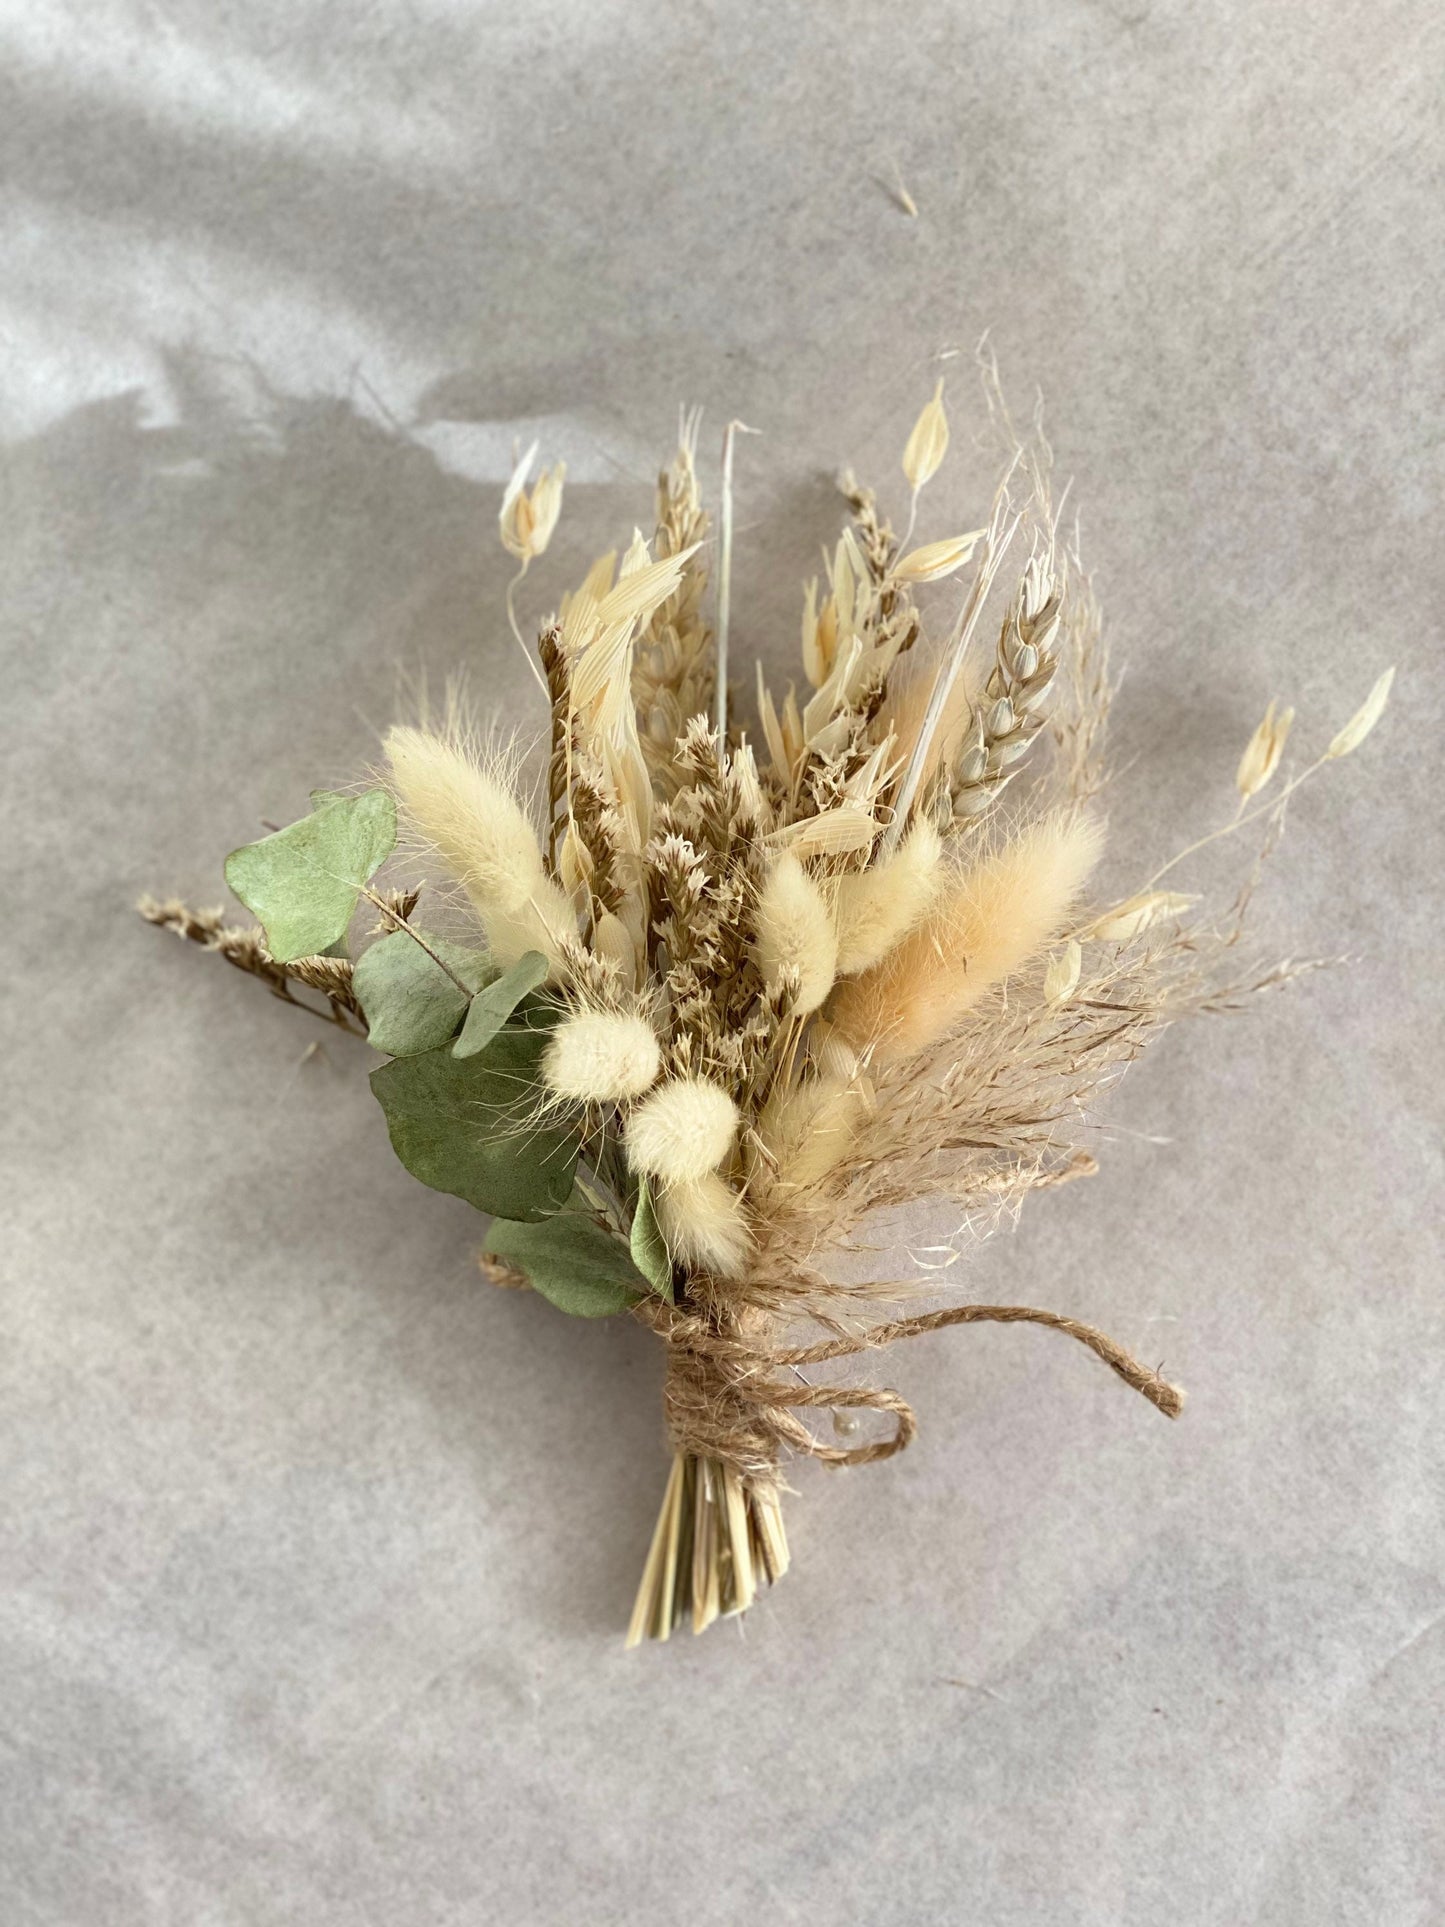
(411, 1004)
(301, 883)
(648, 1246)
(463, 1126)
(492, 1006)
(573, 1262)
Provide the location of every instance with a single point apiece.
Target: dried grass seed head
(602, 1057)
(794, 932)
(1263, 751)
(876, 908)
(682, 1131)
(927, 444)
(703, 1223)
(528, 517)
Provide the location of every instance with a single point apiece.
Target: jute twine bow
(724, 1402)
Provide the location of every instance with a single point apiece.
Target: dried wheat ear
(727, 988)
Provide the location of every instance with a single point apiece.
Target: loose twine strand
(722, 1402)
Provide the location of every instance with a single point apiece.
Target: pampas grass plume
(702, 1222)
(877, 908)
(602, 1057)
(682, 1131)
(989, 921)
(470, 815)
(795, 932)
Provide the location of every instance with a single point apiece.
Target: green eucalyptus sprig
(462, 1092)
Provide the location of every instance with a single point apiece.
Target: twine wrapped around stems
(732, 1415)
(724, 1400)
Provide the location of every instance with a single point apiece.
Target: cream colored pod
(601, 1057)
(678, 1137)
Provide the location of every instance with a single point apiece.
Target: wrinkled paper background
(317, 1551)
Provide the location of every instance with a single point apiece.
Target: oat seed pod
(682, 1131)
(1262, 753)
(1061, 978)
(1135, 915)
(527, 518)
(935, 560)
(1364, 719)
(928, 444)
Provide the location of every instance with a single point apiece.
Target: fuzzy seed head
(795, 932)
(985, 924)
(806, 1129)
(703, 1224)
(682, 1131)
(470, 815)
(877, 908)
(601, 1057)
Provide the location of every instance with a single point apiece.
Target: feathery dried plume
(806, 1129)
(469, 814)
(991, 920)
(704, 1224)
(794, 932)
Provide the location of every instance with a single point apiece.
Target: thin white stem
(516, 631)
(1238, 821)
(725, 578)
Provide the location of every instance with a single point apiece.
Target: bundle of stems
(814, 963)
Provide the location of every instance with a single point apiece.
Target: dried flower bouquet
(732, 990)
